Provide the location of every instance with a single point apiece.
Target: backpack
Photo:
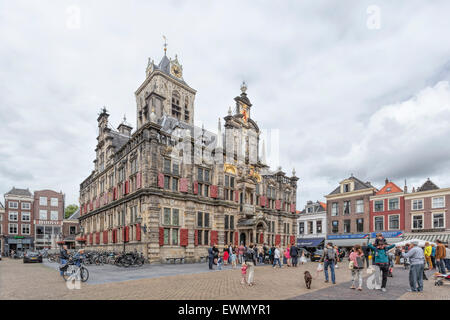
(249, 255)
(331, 254)
(359, 262)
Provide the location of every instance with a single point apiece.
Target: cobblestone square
(195, 281)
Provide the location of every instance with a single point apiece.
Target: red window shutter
(183, 237)
(105, 237)
(214, 237)
(127, 187)
(293, 207)
(115, 193)
(262, 201)
(292, 240)
(138, 180)
(277, 239)
(114, 235)
(85, 207)
(138, 232)
(214, 192)
(195, 187)
(183, 185)
(196, 238)
(236, 195)
(160, 180)
(261, 238)
(91, 238)
(236, 238)
(97, 236)
(161, 236)
(278, 204)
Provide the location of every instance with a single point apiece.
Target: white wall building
(312, 225)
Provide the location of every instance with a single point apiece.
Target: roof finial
(165, 44)
(243, 87)
(229, 111)
(124, 118)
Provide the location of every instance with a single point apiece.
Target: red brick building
(18, 231)
(48, 218)
(387, 209)
(427, 213)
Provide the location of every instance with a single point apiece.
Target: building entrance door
(242, 239)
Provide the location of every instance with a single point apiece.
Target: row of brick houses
(356, 210)
(148, 193)
(31, 220)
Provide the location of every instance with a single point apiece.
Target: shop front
(18, 244)
(349, 240)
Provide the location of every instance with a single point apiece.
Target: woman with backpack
(382, 260)
(357, 264)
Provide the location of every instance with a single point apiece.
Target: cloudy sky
(359, 88)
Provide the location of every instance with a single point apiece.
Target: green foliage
(70, 209)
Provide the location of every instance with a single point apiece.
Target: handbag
(320, 267)
(351, 265)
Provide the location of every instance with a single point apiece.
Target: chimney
(386, 181)
(405, 190)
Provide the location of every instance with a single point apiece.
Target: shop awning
(430, 237)
(347, 242)
(309, 242)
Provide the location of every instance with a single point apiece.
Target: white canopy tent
(421, 242)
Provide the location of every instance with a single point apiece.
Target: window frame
(375, 223)
(443, 221)
(412, 221)
(412, 204)
(443, 202)
(333, 225)
(389, 204)
(375, 205)
(389, 221)
(13, 224)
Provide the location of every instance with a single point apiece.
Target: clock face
(176, 71)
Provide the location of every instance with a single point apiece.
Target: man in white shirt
(276, 257)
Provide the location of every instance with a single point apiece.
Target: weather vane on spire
(165, 44)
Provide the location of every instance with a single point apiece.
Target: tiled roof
(359, 185)
(75, 215)
(427, 186)
(19, 192)
(390, 187)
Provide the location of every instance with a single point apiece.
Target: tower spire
(219, 136)
(165, 44)
(263, 156)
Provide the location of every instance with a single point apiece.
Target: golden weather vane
(165, 44)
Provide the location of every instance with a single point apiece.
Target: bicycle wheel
(84, 273)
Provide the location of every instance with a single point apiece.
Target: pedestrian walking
(63, 257)
(249, 260)
(211, 257)
(366, 251)
(276, 257)
(337, 257)
(294, 255)
(427, 253)
(233, 259)
(329, 259)
(272, 254)
(382, 260)
(447, 258)
(241, 253)
(261, 255)
(220, 261)
(417, 261)
(433, 255)
(243, 273)
(357, 264)
(440, 256)
(226, 256)
(287, 256)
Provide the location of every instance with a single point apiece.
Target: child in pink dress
(243, 272)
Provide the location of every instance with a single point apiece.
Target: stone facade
(170, 189)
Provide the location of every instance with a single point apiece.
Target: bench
(174, 260)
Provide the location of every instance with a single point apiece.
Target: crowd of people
(249, 256)
(379, 256)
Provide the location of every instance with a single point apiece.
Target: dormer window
(347, 187)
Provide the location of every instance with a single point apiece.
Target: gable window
(13, 205)
(378, 205)
(360, 206)
(13, 216)
(171, 223)
(301, 228)
(347, 226)
(176, 109)
(334, 209)
(346, 207)
(438, 220)
(438, 202)
(393, 204)
(360, 225)
(417, 204)
(379, 223)
(394, 222)
(335, 226)
(417, 222)
(346, 187)
(229, 187)
(72, 230)
(26, 205)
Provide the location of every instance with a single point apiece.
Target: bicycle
(74, 269)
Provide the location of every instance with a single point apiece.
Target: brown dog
(308, 279)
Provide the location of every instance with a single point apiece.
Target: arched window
(176, 109)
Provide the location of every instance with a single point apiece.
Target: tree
(70, 209)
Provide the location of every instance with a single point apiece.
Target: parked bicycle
(74, 269)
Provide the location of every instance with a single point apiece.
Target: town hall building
(170, 189)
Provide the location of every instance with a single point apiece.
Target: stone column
(152, 222)
(189, 222)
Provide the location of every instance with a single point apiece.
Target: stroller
(440, 279)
